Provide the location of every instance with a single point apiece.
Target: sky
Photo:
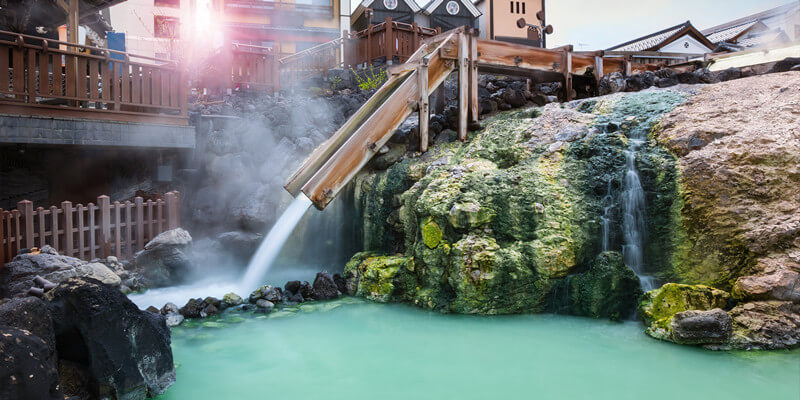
(595, 25)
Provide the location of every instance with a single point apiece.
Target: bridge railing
(391, 40)
(40, 76)
(95, 230)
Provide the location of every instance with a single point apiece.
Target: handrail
(101, 49)
(251, 46)
(308, 51)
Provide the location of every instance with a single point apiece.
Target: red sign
(166, 27)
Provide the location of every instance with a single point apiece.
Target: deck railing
(391, 40)
(317, 59)
(94, 230)
(40, 76)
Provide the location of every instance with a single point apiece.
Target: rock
(28, 370)
(783, 284)
(513, 97)
(378, 278)
(165, 260)
(609, 289)
(265, 305)
(341, 283)
(192, 309)
(173, 319)
(324, 287)
(153, 310)
(700, 327)
(688, 78)
(784, 65)
(307, 291)
(667, 82)
(611, 83)
(231, 300)
(209, 310)
(393, 155)
(766, 325)
(126, 351)
(211, 301)
(729, 74)
(240, 244)
(431, 233)
(468, 216)
(292, 286)
(706, 76)
(170, 308)
(639, 82)
(100, 272)
(30, 314)
(658, 306)
(17, 276)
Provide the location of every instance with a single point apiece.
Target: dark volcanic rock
(192, 309)
(165, 260)
(28, 368)
(729, 74)
(341, 283)
(701, 327)
(126, 351)
(324, 287)
(688, 78)
(639, 82)
(785, 65)
(30, 314)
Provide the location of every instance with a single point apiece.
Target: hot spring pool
(349, 349)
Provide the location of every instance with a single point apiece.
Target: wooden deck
(43, 77)
(334, 163)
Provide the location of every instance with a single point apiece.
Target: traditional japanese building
(449, 14)
(499, 20)
(376, 11)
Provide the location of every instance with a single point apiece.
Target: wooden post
(388, 40)
(18, 232)
(66, 206)
(26, 208)
(54, 226)
(276, 74)
(415, 37)
(463, 85)
(105, 224)
(81, 235)
(566, 70)
(40, 214)
(3, 238)
(473, 76)
(598, 68)
(117, 223)
(92, 230)
(128, 223)
(626, 66)
(139, 222)
(424, 117)
(173, 219)
(150, 234)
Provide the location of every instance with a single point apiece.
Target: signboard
(390, 4)
(166, 27)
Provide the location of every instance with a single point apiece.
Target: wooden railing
(40, 76)
(317, 59)
(394, 41)
(87, 232)
(254, 66)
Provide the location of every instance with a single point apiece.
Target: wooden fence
(393, 41)
(86, 232)
(42, 76)
(315, 60)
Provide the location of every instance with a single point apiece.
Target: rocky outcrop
(766, 325)
(18, 276)
(124, 352)
(165, 260)
(700, 327)
(28, 367)
(659, 307)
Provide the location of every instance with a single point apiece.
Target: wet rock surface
(165, 261)
(28, 370)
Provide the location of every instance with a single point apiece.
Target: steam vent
(393, 199)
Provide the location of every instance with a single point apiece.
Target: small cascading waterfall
(608, 207)
(272, 244)
(634, 211)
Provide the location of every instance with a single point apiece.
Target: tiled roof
(729, 33)
(764, 38)
(752, 18)
(649, 41)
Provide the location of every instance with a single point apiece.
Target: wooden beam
(492, 52)
(63, 5)
(423, 106)
(463, 85)
(566, 70)
(473, 76)
(379, 125)
(598, 68)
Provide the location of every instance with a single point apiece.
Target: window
(517, 7)
(166, 27)
(511, 3)
(523, 7)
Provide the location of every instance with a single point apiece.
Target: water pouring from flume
(271, 246)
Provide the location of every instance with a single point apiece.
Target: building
(152, 28)
(499, 20)
(773, 26)
(376, 11)
(449, 14)
(670, 45)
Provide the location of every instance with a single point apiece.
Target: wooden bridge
(334, 163)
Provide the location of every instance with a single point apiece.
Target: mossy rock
(608, 289)
(431, 234)
(658, 306)
(379, 278)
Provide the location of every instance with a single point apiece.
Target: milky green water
(354, 350)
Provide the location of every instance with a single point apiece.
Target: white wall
(686, 44)
(136, 19)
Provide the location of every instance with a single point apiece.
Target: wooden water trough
(336, 161)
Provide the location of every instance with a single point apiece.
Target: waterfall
(634, 213)
(608, 205)
(271, 246)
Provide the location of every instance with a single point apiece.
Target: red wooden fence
(90, 231)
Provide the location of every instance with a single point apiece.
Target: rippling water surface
(348, 349)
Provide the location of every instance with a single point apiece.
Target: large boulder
(608, 289)
(125, 352)
(659, 306)
(378, 278)
(700, 327)
(766, 325)
(165, 261)
(324, 287)
(30, 314)
(17, 276)
(28, 367)
(783, 284)
(612, 83)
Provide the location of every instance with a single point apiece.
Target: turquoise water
(354, 350)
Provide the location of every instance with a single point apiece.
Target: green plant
(335, 81)
(370, 80)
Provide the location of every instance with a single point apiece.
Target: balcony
(310, 9)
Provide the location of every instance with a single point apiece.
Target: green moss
(658, 306)
(380, 278)
(431, 233)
